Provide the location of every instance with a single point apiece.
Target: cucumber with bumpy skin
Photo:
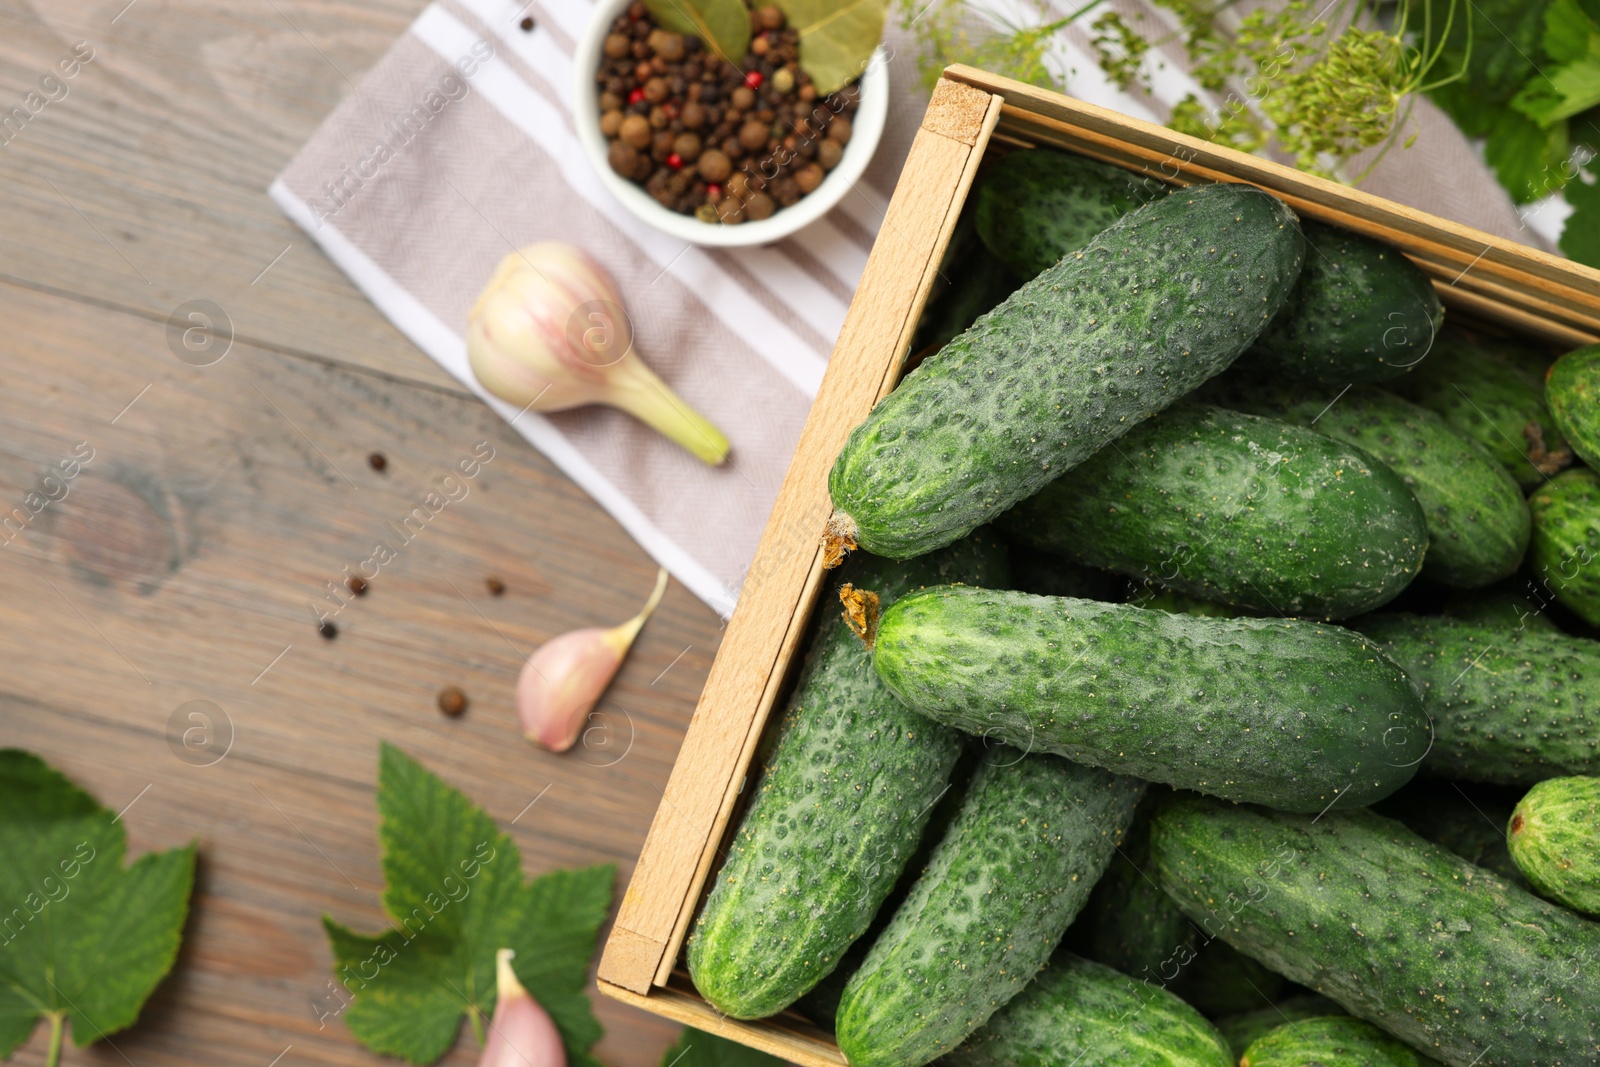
(1032, 837)
(1294, 714)
(837, 811)
(1361, 312)
(1403, 933)
(1555, 840)
(1332, 1041)
(1489, 394)
(1239, 509)
(1083, 1013)
(1129, 922)
(1478, 522)
(1241, 1030)
(1572, 390)
(1506, 706)
(1035, 206)
(1472, 825)
(1115, 332)
(1565, 552)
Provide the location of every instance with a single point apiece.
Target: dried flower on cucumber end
(860, 612)
(838, 539)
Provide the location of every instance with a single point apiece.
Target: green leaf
(81, 936)
(724, 25)
(1567, 31)
(1580, 240)
(837, 37)
(456, 896)
(695, 1048)
(1529, 161)
(1564, 91)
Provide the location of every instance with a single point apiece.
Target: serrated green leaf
(1580, 240)
(1530, 162)
(724, 25)
(837, 37)
(696, 1048)
(456, 895)
(81, 937)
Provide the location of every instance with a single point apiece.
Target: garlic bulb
(549, 332)
(561, 682)
(521, 1033)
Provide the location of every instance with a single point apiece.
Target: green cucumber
(1506, 706)
(1330, 1041)
(1129, 923)
(1555, 840)
(1240, 1031)
(1035, 206)
(1478, 522)
(822, 1003)
(1032, 837)
(1444, 955)
(1238, 509)
(837, 811)
(1494, 398)
(1572, 390)
(1115, 332)
(1361, 312)
(1078, 1013)
(1565, 552)
(1293, 714)
(1472, 825)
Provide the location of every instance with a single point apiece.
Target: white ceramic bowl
(866, 129)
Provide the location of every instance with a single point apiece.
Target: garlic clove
(550, 332)
(521, 1033)
(564, 679)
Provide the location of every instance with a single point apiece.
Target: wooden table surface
(220, 500)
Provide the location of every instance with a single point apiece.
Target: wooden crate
(1484, 278)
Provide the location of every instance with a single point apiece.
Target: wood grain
(145, 187)
(221, 500)
(782, 585)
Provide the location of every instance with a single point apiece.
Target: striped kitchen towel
(459, 146)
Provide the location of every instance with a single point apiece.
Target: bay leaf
(836, 37)
(724, 25)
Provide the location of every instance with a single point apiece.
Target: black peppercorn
(452, 701)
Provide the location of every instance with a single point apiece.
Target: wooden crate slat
(944, 125)
(791, 1039)
(782, 584)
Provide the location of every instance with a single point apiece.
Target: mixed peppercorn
(706, 137)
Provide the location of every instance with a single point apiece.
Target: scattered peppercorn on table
(162, 599)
